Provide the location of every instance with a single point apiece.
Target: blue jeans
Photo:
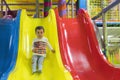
(37, 62)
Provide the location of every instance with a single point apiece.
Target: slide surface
(53, 68)
(80, 51)
(9, 34)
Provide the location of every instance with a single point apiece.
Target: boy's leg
(40, 63)
(34, 63)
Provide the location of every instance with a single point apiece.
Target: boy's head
(39, 30)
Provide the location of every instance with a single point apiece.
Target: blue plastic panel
(9, 37)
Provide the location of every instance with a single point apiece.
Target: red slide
(80, 50)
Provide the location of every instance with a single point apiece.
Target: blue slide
(9, 37)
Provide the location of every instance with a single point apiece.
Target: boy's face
(39, 33)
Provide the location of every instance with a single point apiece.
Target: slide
(80, 51)
(53, 68)
(9, 37)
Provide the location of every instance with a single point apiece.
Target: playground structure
(78, 55)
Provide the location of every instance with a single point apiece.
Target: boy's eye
(39, 32)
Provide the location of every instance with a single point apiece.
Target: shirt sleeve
(33, 45)
(49, 45)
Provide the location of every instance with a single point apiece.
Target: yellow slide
(53, 68)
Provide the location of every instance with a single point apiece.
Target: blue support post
(82, 4)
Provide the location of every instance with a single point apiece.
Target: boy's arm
(50, 47)
(35, 50)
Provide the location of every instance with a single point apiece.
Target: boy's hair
(39, 27)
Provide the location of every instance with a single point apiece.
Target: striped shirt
(41, 44)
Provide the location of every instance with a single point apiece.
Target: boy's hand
(35, 50)
(53, 50)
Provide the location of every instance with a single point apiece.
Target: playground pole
(67, 10)
(37, 8)
(47, 6)
(62, 8)
(1, 5)
(1, 14)
(72, 8)
(104, 30)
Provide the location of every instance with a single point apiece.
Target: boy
(39, 49)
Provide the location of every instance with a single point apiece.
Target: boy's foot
(39, 71)
(34, 72)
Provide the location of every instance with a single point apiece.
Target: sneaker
(34, 72)
(39, 71)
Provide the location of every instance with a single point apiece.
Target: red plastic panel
(80, 50)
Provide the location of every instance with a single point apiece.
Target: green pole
(104, 29)
(37, 8)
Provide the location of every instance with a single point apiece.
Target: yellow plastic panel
(53, 68)
(35, 0)
(30, 0)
